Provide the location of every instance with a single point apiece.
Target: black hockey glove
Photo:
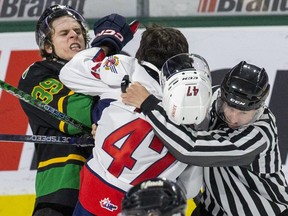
(114, 32)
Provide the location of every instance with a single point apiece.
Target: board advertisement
(221, 47)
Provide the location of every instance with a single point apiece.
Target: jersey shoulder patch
(114, 68)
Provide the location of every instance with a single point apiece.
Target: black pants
(196, 211)
(53, 210)
(284, 213)
(203, 212)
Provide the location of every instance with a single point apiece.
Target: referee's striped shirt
(242, 168)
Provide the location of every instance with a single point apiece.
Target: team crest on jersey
(106, 203)
(111, 63)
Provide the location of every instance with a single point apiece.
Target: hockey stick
(82, 141)
(43, 107)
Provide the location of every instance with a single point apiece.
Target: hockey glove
(114, 32)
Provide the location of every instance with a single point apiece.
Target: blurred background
(224, 32)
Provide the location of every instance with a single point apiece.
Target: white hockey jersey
(126, 149)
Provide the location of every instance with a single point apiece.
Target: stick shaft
(42, 139)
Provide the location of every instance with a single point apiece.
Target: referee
(239, 152)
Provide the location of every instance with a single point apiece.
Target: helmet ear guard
(187, 90)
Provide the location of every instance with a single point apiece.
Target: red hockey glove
(114, 32)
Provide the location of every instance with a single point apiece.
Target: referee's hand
(135, 95)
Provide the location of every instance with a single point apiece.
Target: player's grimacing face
(67, 37)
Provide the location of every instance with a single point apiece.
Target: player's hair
(161, 43)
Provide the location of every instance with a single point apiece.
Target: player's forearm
(200, 148)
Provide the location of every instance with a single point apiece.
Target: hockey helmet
(43, 28)
(187, 90)
(155, 197)
(245, 87)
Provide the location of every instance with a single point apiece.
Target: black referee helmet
(245, 87)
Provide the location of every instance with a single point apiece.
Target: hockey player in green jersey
(61, 32)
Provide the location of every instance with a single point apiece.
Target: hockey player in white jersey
(126, 149)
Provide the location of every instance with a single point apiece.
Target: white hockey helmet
(187, 88)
